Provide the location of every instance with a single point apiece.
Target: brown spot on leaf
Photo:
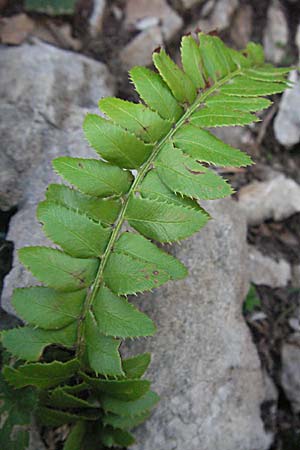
(214, 32)
(157, 49)
(80, 165)
(194, 172)
(155, 272)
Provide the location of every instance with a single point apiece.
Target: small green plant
(51, 7)
(252, 300)
(156, 162)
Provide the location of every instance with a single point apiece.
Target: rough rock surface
(287, 121)
(275, 199)
(205, 366)
(45, 94)
(296, 276)
(97, 17)
(241, 28)
(170, 21)
(187, 4)
(215, 16)
(276, 34)
(290, 359)
(264, 270)
(138, 52)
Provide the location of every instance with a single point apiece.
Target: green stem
(120, 220)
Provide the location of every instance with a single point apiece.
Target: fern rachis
(69, 349)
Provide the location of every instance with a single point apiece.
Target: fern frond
(76, 322)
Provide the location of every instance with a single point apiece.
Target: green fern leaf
(28, 343)
(16, 409)
(203, 146)
(125, 423)
(154, 189)
(243, 104)
(184, 175)
(191, 61)
(129, 408)
(55, 418)
(115, 316)
(150, 175)
(221, 116)
(76, 436)
(115, 145)
(255, 54)
(75, 233)
(92, 176)
(135, 117)
(102, 210)
(102, 351)
(246, 87)
(125, 390)
(46, 308)
(136, 265)
(268, 74)
(111, 437)
(136, 366)
(58, 270)
(216, 58)
(41, 375)
(163, 221)
(180, 84)
(59, 398)
(155, 93)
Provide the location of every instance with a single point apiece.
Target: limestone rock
(45, 94)
(205, 366)
(287, 121)
(96, 18)
(266, 271)
(170, 21)
(297, 39)
(276, 34)
(296, 276)
(139, 50)
(187, 4)
(277, 199)
(290, 380)
(215, 16)
(241, 28)
(223, 12)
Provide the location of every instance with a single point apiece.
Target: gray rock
(205, 366)
(297, 40)
(238, 137)
(45, 94)
(187, 4)
(170, 21)
(296, 276)
(264, 270)
(97, 17)
(276, 34)
(241, 29)
(139, 50)
(290, 361)
(223, 12)
(287, 121)
(218, 17)
(277, 199)
(271, 392)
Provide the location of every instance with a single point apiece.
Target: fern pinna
(156, 162)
